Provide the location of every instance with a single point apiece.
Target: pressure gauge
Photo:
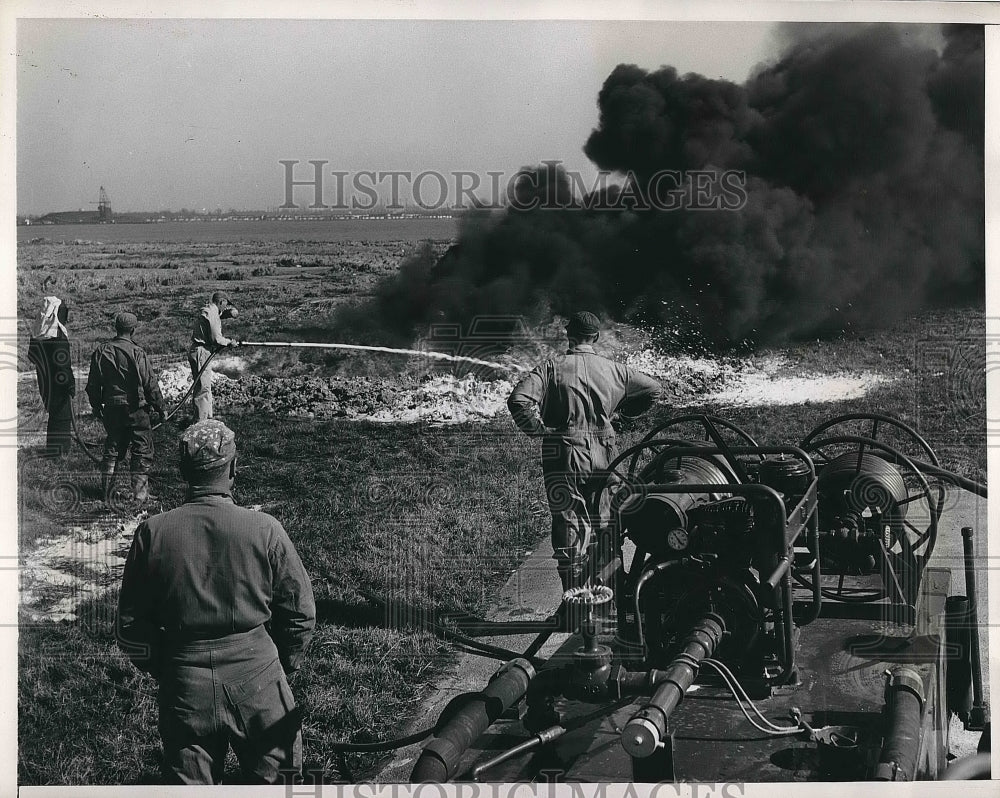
(677, 538)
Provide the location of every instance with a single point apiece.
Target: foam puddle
(61, 573)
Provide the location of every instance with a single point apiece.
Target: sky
(198, 113)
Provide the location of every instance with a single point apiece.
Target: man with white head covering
(216, 605)
(49, 351)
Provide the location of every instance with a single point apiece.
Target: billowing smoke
(863, 199)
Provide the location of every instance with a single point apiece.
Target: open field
(433, 515)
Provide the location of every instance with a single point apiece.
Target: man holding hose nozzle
(206, 338)
(122, 390)
(575, 405)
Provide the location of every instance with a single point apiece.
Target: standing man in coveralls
(122, 390)
(206, 338)
(216, 605)
(571, 404)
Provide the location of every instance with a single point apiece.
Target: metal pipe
(977, 717)
(646, 729)
(957, 620)
(646, 575)
(442, 754)
(904, 698)
(949, 476)
(543, 737)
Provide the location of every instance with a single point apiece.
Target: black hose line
(87, 445)
(190, 389)
(385, 745)
(441, 756)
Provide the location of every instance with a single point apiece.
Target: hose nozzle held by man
(574, 405)
(206, 338)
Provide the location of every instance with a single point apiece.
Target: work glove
(155, 414)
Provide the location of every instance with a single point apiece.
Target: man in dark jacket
(572, 405)
(122, 389)
(216, 605)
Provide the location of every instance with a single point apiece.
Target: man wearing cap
(206, 338)
(573, 405)
(216, 605)
(122, 390)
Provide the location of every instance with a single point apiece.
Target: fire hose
(87, 445)
(388, 350)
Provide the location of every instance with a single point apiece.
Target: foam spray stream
(390, 350)
(87, 445)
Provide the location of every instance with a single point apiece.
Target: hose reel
(878, 516)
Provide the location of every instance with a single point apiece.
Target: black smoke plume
(862, 149)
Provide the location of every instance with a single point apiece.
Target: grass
(434, 518)
(431, 518)
(166, 284)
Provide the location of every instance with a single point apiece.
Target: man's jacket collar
(200, 491)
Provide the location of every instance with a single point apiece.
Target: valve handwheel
(590, 596)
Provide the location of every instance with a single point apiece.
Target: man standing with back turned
(122, 390)
(216, 605)
(571, 404)
(206, 338)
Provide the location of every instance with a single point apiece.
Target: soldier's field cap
(584, 323)
(125, 321)
(206, 445)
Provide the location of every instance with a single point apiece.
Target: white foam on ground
(78, 566)
(764, 384)
(754, 382)
(447, 399)
(175, 379)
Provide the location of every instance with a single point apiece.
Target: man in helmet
(573, 405)
(206, 338)
(122, 390)
(215, 604)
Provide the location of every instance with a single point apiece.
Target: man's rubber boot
(107, 481)
(140, 488)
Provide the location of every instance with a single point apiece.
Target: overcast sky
(168, 114)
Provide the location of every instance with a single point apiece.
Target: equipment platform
(841, 665)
